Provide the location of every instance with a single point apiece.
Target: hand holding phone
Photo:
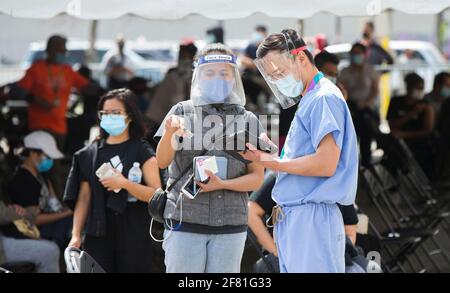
(190, 189)
(106, 170)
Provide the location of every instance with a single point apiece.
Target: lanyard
(314, 82)
(311, 86)
(55, 80)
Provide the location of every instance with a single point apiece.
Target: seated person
(412, 119)
(42, 253)
(440, 92)
(261, 204)
(30, 188)
(443, 161)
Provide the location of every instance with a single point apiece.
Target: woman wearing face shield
(318, 166)
(207, 234)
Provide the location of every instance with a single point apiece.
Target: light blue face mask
(210, 38)
(357, 59)
(45, 165)
(289, 86)
(445, 92)
(216, 90)
(113, 124)
(257, 37)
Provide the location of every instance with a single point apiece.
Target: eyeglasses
(114, 114)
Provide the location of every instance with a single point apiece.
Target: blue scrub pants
(311, 239)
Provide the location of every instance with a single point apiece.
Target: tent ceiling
(215, 9)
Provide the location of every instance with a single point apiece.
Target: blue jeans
(44, 254)
(203, 253)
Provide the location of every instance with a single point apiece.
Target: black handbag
(157, 202)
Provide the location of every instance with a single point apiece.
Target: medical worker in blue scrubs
(318, 166)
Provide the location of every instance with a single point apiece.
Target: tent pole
(92, 38)
(301, 27)
(440, 30)
(338, 30)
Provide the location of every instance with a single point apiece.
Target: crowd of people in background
(36, 224)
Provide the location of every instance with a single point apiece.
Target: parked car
(152, 70)
(409, 56)
(155, 50)
(78, 53)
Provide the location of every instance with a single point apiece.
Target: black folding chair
(268, 263)
(401, 244)
(18, 267)
(409, 218)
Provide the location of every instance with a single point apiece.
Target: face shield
(216, 80)
(282, 73)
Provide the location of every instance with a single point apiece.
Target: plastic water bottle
(134, 175)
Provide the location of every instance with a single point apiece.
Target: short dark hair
(26, 152)
(190, 48)
(287, 40)
(53, 40)
(440, 78)
(137, 128)
(325, 57)
(412, 79)
(261, 28)
(370, 24)
(358, 45)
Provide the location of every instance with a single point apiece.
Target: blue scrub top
(321, 111)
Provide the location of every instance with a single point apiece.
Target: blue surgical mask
(216, 90)
(257, 37)
(357, 59)
(45, 165)
(60, 58)
(113, 124)
(445, 92)
(289, 86)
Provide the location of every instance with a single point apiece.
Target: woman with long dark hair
(111, 208)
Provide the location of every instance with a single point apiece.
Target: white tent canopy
(215, 9)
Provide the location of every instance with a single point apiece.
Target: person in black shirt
(30, 187)
(252, 80)
(412, 119)
(443, 161)
(113, 211)
(376, 54)
(260, 209)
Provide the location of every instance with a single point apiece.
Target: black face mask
(365, 35)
